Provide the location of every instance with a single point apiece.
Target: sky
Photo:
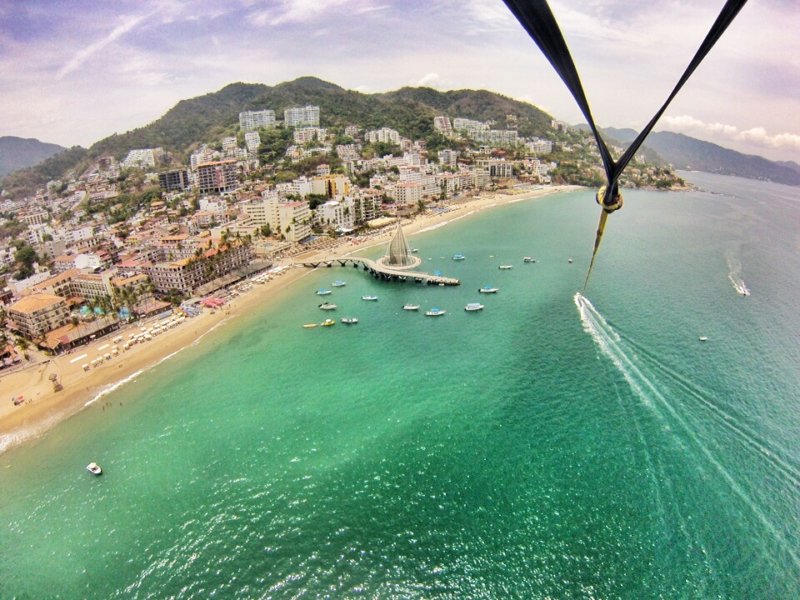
(75, 71)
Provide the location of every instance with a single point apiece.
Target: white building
(442, 125)
(384, 135)
(303, 135)
(448, 157)
(301, 116)
(251, 120)
(336, 214)
(295, 220)
(142, 158)
(252, 140)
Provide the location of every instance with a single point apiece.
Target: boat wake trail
(735, 276)
(634, 364)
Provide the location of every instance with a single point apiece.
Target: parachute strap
(609, 205)
(538, 20)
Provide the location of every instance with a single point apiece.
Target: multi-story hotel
(250, 120)
(305, 116)
(35, 315)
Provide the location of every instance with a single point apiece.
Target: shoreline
(45, 408)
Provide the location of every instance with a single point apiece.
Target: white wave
(608, 341)
(735, 275)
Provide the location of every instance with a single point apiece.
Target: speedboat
(94, 469)
(528, 259)
(435, 312)
(339, 283)
(458, 257)
(415, 250)
(323, 292)
(369, 298)
(473, 306)
(569, 260)
(487, 289)
(327, 306)
(349, 320)
(411, 306)
(328, 323)
(703, 338)
(505, 267)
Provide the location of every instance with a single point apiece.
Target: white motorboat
(473, 306)
(339, 283)
(458, 257)
(94, 469)
(328, 323)
(487, 289)
(411, 306)
(310, 325)
(349, 320)
(703, 338)
(435, 312)
(369, 298)
(528, 259)
(327, 306)
(323, 292)
(505, 267)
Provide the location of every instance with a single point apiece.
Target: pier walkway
(381, 271)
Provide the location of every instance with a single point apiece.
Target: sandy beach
(43, 407)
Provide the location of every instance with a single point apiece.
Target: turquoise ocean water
(552, 446)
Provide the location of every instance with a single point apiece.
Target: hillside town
(137, 236)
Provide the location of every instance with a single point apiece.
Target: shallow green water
(549, 446)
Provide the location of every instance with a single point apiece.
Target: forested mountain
(684, 152)
(209, 117)
(18, 153)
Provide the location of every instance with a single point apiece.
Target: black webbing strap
(538, 20)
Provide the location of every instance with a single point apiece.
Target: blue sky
(75, 71)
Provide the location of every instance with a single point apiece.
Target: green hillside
(209, 117)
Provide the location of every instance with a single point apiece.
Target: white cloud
(81, 57)
(303, 11)
(430, 80)
(755, 135)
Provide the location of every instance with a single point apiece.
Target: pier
(381, 271)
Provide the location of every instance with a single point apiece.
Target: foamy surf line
(118, 384)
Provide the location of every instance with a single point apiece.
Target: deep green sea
(554, 445)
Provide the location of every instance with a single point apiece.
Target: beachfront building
(188, 274)
(35, 315)
(307, 116)
(217, 177)
(250, 120)
(335, 214)
(294, 220)
(496, 167)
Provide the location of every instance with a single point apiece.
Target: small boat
(310, 325)
(94, 469)
(703, 338)
(339, 283)
(505, 267)
(323, 292)
(473, 306)
(327, 306)
(435, 312)
(569, 260)
(415, 250)
(411, 306)
(528, 259)
(369, 298)
(349, 320)
(328, 323)
(488, 290)
(458, 257)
